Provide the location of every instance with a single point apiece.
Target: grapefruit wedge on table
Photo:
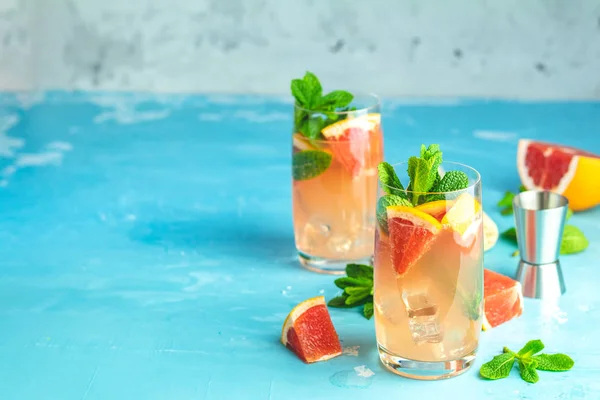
(411, 232)
(356, 142)
(502, 299)
(565, 170)
(309, 332)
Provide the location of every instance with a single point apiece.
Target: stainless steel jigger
(540, 220)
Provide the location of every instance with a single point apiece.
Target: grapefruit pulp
(561, 169)
(502, 299)
(309, 332)
(411, 232)
(356, 142)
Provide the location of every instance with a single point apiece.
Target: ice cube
(423, 320)
(339, 244)
(316, 232)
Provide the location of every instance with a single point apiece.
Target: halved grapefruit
(309, 332)
(502, 299)
(356, 142)
(565, 170)
(411, 232)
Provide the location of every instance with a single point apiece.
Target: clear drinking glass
(334, 186)
(428, 279)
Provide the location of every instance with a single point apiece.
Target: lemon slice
(461, 215)
(490, 232)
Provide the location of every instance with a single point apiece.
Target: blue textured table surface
(146, 250)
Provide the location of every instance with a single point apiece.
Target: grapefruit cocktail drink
(337, 145)
(428, 268)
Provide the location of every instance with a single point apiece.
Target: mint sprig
(529, 363)
(317, 110)
(358, 289)
(423, 172)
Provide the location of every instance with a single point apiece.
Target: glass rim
(372, 96)
(464, 166)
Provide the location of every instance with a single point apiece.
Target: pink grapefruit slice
(309, 332)
(411, 232)
(356, 142)
(502, 297)
(565, 170)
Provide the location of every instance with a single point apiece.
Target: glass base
(328, 265)
(425, 370)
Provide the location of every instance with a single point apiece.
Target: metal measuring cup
(540, 219)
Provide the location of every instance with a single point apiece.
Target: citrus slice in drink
(490, 232)
(502, 299)
(356, 142)
(301, 142)
(411, 233)
(463, 219)
(309, 332)
(437, 209)
(561, 169)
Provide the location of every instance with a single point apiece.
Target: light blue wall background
(507, 48)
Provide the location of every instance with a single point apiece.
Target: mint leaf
(530, 348)
(343, 283)
(314, 127)
(554, 362)
(430, 152)
(299, 91)
(383, 203)
(452, 181)
(499, 367)
(358, 300)
(527, 370)
(423, 171)
(507, 200)
(360, 271)
(390, 183)
(309, 164)
(358, 290)
(313, 89)
(368, 310)
(337, 99)
(339, 302)
(506, 211)
(573, 240)
(509, 234)
(522, 188)
(569, 214)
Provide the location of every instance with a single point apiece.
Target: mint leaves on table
(314, 110)
(506, 203)
(573, 240)
(424, 177)
(358, 289)
(529, 363)
(308, 164)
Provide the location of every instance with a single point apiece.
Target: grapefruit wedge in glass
(565, 170)
(309, 332)
(411, 234)
(352, 140)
